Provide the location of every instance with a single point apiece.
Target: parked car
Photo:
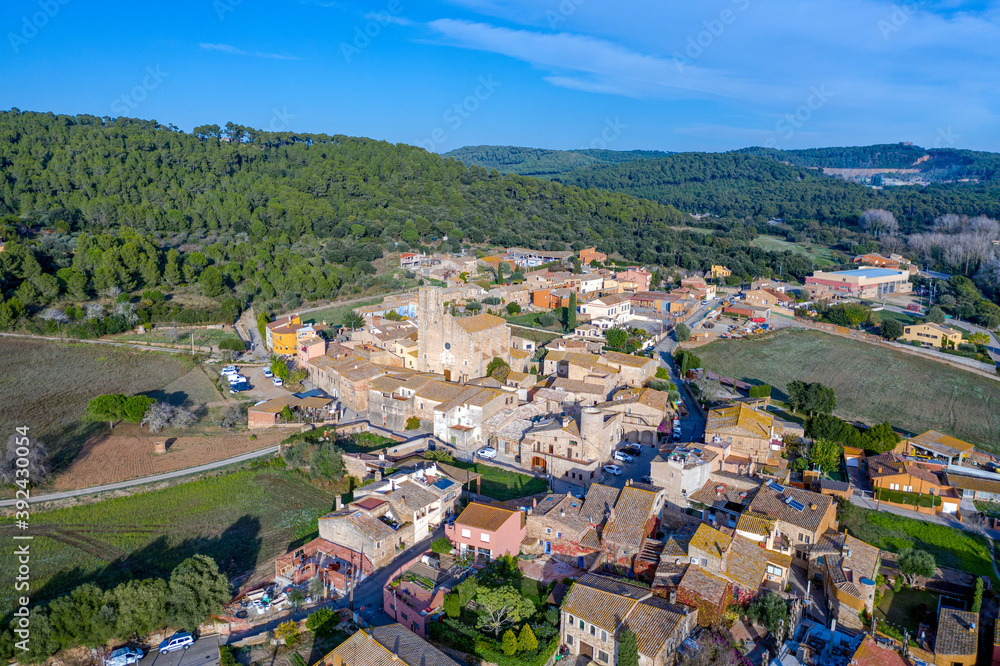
(704, 302)
(623, 457)
(236, 379)
(612, 469)
(230, 370)
(123, 656)
(276, 381)
(268, 373)
(237, 388)
(631, 449)
(647, 479)
(487, 452)
(182, 640)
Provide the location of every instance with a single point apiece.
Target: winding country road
(146, 479)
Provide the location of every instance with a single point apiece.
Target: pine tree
(509, 644)
(628, 649)
(527, 642)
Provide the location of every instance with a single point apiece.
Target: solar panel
(441, 484)
(795, 504)
(777, 488)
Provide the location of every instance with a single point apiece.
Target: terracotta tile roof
(410, 648)
(976, 483)
(669, 574)
(484, 516)
(781, 559)
(755, 523)
(410, 495)
(360, 649)
(772, 503)
(710, 540)
(676, 546)
(479, 322)
(954, 636)
(870, 653)
(746, 563)
(738, 490)
(627, 359)
(653, 620)
(439, 391)
(633, 509)
(704, 584)
(739, 420)
(602, 601)
(599, 500)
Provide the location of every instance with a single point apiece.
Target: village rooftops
(727, 491)
(704, 584)
(870, 653)
(792, 505)
(487, 517)
(480, 322)
(746, 562)
(974, 483)
(634, 507)
(644, 396)
(710, 540)
(957, 632)
(386, 646)
(740, 418)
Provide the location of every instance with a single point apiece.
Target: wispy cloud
(386, 17)
(232, 50)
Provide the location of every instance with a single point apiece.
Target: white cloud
(232, 50)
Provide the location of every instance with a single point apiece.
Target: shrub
(526, 641)
(509, 645)
(287, 631)
(662, 373)
(452, 605)
(513, 309)
(321, 621)
(412, 423)
(441, 545)
(440, 456)
(547, 319)
(227, 656)
(760, 391)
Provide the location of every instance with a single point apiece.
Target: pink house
(488, 531)
(415, 593)
(640, 277)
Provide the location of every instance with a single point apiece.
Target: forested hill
(92, 175)
(749, 186)
(544, 163)
(935, 164)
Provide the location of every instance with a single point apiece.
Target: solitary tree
(352, 320)
(891, 329)
(571, 312)
(321, 621)
(913, 563)
(977, 596)
(500, 607)
(935, 315)
(513, 309)
(768, 611)
(117, 407)
(682, 333)
(441, 545)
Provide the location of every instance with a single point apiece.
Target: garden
(501, 484)
(499, 617)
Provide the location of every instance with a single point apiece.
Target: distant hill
(745, 185)
(543, 163)
(913, 162)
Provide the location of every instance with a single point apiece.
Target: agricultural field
(46, 386)
(873, 384)
(165, 333)
(243, 519)
(127, 453)
(821, 256)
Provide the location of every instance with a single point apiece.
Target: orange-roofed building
(488, 531)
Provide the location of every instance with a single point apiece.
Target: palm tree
(352, 320)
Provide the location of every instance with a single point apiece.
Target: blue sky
(702, 75)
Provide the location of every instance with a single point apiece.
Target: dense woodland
(544, 163)
(737, 185)
(109, 221)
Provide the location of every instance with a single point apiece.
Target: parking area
(204, 652)
(263, 388)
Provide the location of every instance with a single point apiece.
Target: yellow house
(721, 272)
(935, 335)
(280, 334)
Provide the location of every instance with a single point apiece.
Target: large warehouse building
(863, 282)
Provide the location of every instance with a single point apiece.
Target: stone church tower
(459, 348)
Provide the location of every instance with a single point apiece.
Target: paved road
(692, 425)
(204, 652)
(147, 479)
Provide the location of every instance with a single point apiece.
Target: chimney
(562, 512)
(534, 502)
(972, 627)
(338, 503)
(673, 596)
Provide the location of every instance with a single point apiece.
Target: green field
(46, 385)
(902, 609)
(821, 256)
(951, 547)
(167, 334)
(901, 317)
(242, 519)
(333, 315)
(873, 384)
(504, 485)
